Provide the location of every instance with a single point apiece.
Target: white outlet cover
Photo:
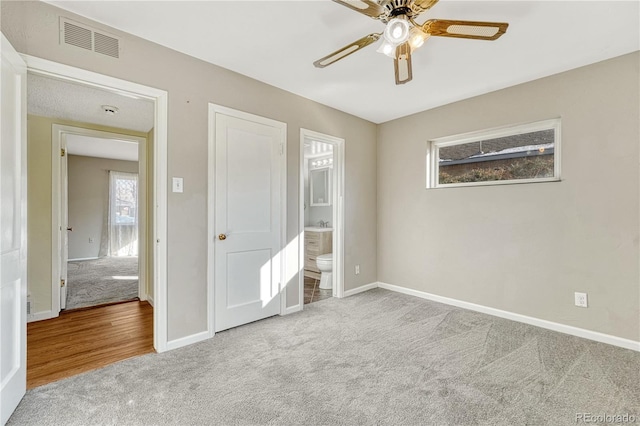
(581, 299)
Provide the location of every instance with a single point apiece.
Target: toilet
(325, 265)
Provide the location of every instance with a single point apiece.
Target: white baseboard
(549, 325)
(188, 340)
(149, 299)
(292, 309)
(40, 316)
(360, 289)
(82, 258)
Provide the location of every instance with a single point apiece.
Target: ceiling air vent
(82, 36)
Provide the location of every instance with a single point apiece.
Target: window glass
(509, 155)
(126, 196)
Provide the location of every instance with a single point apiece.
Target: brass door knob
(222, 237)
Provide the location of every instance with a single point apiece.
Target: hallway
(86, 339)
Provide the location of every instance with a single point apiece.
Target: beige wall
(39, 202)
(525, 248)
(32, 28)
(88, 179)
(521, 248)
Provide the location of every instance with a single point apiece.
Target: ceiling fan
(403, 35)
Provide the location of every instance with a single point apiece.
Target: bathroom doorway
(321, 217)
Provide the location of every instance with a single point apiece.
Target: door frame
(60, 173)
(160, 171)
(338, 210)
(211, 194)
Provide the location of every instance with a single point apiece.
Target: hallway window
(123, 214)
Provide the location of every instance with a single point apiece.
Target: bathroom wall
(317, 214)
(307, 193)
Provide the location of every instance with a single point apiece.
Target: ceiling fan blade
(402, 64)
(465, 29)
(367, 7)
(347, 50)
(420, 6)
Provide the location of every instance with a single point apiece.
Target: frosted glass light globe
(397, 31)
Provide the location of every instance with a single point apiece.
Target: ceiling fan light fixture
(397, 31)
(417, 38)
(387, 48)
(403, 35)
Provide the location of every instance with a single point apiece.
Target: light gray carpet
(100, 281)
(376, 358)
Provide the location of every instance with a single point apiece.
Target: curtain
(123, 214)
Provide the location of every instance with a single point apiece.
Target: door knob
(222, 237)
(70, 229)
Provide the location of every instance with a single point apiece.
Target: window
(125, 198)
(123, 214)
(515, 154)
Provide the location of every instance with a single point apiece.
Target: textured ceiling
(48, 97)
(277, 42)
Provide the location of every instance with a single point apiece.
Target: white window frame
(435, 144)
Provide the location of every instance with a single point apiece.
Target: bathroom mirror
(320, 183)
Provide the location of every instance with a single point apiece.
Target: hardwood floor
(86, 339)
(312, 291)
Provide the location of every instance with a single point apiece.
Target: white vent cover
(82, 36)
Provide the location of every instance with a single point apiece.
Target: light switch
(178, 184)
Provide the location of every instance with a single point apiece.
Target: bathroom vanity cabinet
(317, 241)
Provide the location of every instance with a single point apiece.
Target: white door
(64, 221)
(248, 241)
(13, 232)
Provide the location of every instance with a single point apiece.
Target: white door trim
(58, 203)
(160, 98)
(338, 211)
(213, 109)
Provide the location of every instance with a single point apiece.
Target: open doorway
(105, 206)
(318, 221)
(98, 183)
(97, 143)
(157, 153)
(321, 216)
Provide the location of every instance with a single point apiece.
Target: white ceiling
(277, 42)
(103, 148)
(49, 97)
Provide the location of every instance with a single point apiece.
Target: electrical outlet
(581, 299)
(90, 240)
(357, 269)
